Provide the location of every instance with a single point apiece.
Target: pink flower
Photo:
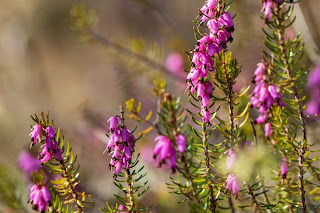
(113, 122)
(181, 143)
(213, 26)
(166, 150)
(284, 167)
(233, 184)
(267, 129)
(245, 145)
(122, 207)
(273, 91)
(267, 8)
(174, 63)
(35, 134)
(162, 147)
(261, 119)
(28, 163)
(125, 134)
(172, 159)
(206, 115)
(39, 197)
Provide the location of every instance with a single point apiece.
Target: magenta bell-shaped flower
(233, 184)
(284, 167)
(181, 143)
(113, 122)
(39, 197)
(35, 134)
(122, 207)
(267, 8)
(206, 115)
(267, 129)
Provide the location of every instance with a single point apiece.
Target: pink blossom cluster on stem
(165, 149)
(51, 148)
(264, 96)
(39, 197)
(219, 28)
(120, 146)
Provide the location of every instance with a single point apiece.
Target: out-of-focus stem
(190, 179)
(253, 198)
(135, 55)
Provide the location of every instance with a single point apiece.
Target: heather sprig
(287, 120)
(121, 146)
(60, 160)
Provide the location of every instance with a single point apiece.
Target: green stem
(288, 70)
(208, 168)
(130, 193)
(72, 189)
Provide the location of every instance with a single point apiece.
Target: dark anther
(284, 176)
(173, 170)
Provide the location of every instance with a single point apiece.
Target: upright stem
(231, 117)
(288, 70)
(130, 192)
(128, 176)
(231, 123)
(208, 167)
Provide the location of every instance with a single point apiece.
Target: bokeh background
(46, 65)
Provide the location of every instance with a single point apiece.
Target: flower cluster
(120, 145)
(51, 147)
(166, 150)
(264, 97)
(39, 197)
(220, 29)
(313, 106)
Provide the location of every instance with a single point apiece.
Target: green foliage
(10, 186)
(81, 18)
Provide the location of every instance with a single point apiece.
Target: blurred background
(45, 65)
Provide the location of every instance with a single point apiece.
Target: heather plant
(226, 150)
